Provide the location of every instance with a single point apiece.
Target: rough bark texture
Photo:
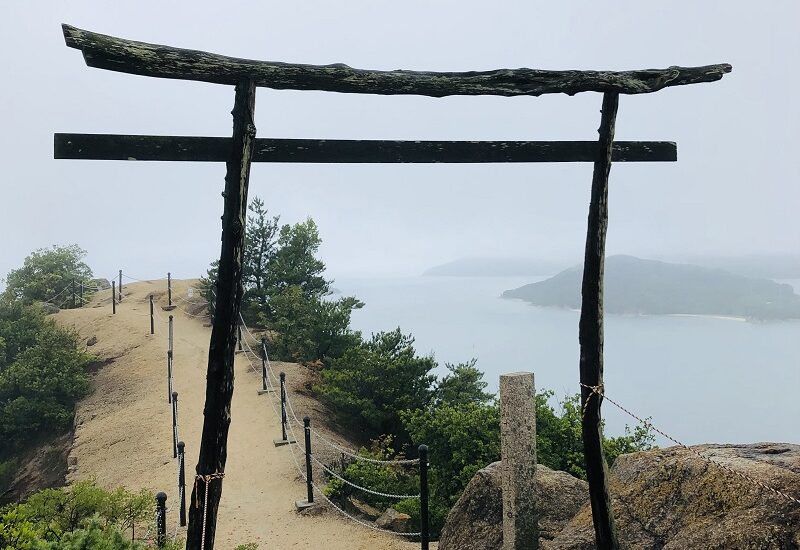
(518, 460)
(116, 54)
(219, 385)
(476, 520)
(591, 334)
(216, 149)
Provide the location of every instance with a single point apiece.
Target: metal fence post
(120, 285)
(182, 482)
(174, 424)
(169, 289)
(239, 336)
(264, 363)
(81, 295)
(284, 440)
(73, 293)
(424, 519)
(161, 519)
(152, 321)
(113, 297)
(169, 376)
(283, 406)
(170, 333)
(309, 473)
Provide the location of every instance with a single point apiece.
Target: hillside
(494, 267)
(637, 286)
(123, 429)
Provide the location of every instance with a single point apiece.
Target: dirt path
(123, 430)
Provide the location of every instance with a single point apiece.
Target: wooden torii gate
(238, 152)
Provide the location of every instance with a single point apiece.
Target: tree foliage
(82, 516)
(285, 290)
(42, 374)
(45, 274)
(306, 328)
(370, 384)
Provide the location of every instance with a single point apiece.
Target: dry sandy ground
(123, 433)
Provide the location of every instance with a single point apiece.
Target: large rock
(475, 522)
(358, 508)
(671, 499)
(395, 521)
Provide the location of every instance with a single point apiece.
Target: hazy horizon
(733, 190)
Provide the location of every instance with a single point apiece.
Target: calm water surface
(701, 379)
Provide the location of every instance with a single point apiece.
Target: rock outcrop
(475, 522)
(666, 499)
(671, 499)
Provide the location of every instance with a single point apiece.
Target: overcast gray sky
(733, 190)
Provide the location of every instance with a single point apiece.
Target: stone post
(518, 461)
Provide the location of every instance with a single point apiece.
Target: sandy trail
(123, 433)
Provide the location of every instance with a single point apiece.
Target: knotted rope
(649, 426)
(595, 390)
(207, 478)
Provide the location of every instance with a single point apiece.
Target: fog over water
(702, 379)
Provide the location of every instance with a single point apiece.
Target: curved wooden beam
(128, 56)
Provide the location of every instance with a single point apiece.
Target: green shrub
(370, 384)
(80, 516)
(39, 389)
(395, 479)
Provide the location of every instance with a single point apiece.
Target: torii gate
(238, 152)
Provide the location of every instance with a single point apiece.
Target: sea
(698, 379)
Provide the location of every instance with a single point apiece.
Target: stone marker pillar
(518, 461)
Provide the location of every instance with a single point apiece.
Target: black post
(182, 481)
(113, 296)
(169, 288)
(590, 335)
(81, 295)
(424, 519)
(161, 519)
(309, 473)
(174, 424)
(169, 376)
(264, 363)
(239, 335)
(170, 333)
(120, 285)
(73, 293)
(283, 406)
(152, 322)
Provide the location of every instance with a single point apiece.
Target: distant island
(637, 286)
(495, 267)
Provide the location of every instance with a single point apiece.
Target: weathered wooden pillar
(518, 461)
(219, 378)
(591, 334)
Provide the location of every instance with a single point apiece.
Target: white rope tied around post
(649, 425)
(301, 473)
(206, 479)
(290, 407)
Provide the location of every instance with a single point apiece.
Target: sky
(734, 189)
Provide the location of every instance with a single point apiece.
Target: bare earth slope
(123, 433)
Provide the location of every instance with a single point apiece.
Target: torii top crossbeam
(116, 54)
